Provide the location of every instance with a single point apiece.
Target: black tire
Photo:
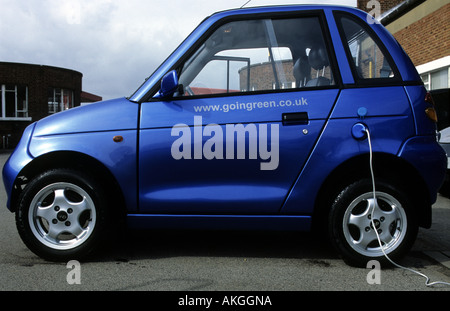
(62, 215)
(351, 228)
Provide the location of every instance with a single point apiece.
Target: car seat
(318, 59)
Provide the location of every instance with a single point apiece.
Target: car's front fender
(16, 162)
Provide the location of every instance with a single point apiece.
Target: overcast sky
(115, 44)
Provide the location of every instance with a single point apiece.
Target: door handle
(295, 118)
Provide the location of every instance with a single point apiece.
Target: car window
(258, 55)
(368, 60)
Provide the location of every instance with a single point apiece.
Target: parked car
(441, 98)
(265, 118)
(444, 141)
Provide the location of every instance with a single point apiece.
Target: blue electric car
(273, 118)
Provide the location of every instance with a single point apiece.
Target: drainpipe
(398, 11)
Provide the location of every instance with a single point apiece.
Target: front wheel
(62, 215)
(363, 229)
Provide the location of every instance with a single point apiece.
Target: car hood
(116, 114)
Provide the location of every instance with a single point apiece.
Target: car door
(253, 98)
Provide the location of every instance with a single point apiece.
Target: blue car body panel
(430, 164)
(87, 130)
(160, 190)
(16, 162)
(224, 186)
(112, 115)
(327, 155)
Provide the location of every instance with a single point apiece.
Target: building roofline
(90, 97)
(40, 66)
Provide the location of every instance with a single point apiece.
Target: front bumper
(16, 162)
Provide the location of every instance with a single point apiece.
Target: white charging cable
(427, 282)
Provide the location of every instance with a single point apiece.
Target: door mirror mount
(169, 85)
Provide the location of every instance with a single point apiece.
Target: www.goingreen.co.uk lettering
(250, 106)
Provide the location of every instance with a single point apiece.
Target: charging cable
(427, 282)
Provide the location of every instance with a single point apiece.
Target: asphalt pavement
(205, 261)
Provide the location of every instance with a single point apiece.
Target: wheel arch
(67, 160)
(385, 166)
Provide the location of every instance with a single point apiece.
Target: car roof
(287, 7)
(284, 8)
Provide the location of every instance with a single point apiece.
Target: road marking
(443, 257)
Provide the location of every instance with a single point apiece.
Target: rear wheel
(363, 228)
(62, 215)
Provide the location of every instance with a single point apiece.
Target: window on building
(437, 79)
(14, 102)
(59, 100)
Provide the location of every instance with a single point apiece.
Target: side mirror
(169, 85)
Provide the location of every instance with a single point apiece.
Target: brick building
(262, 76)
(422, 27)
(31, 92)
